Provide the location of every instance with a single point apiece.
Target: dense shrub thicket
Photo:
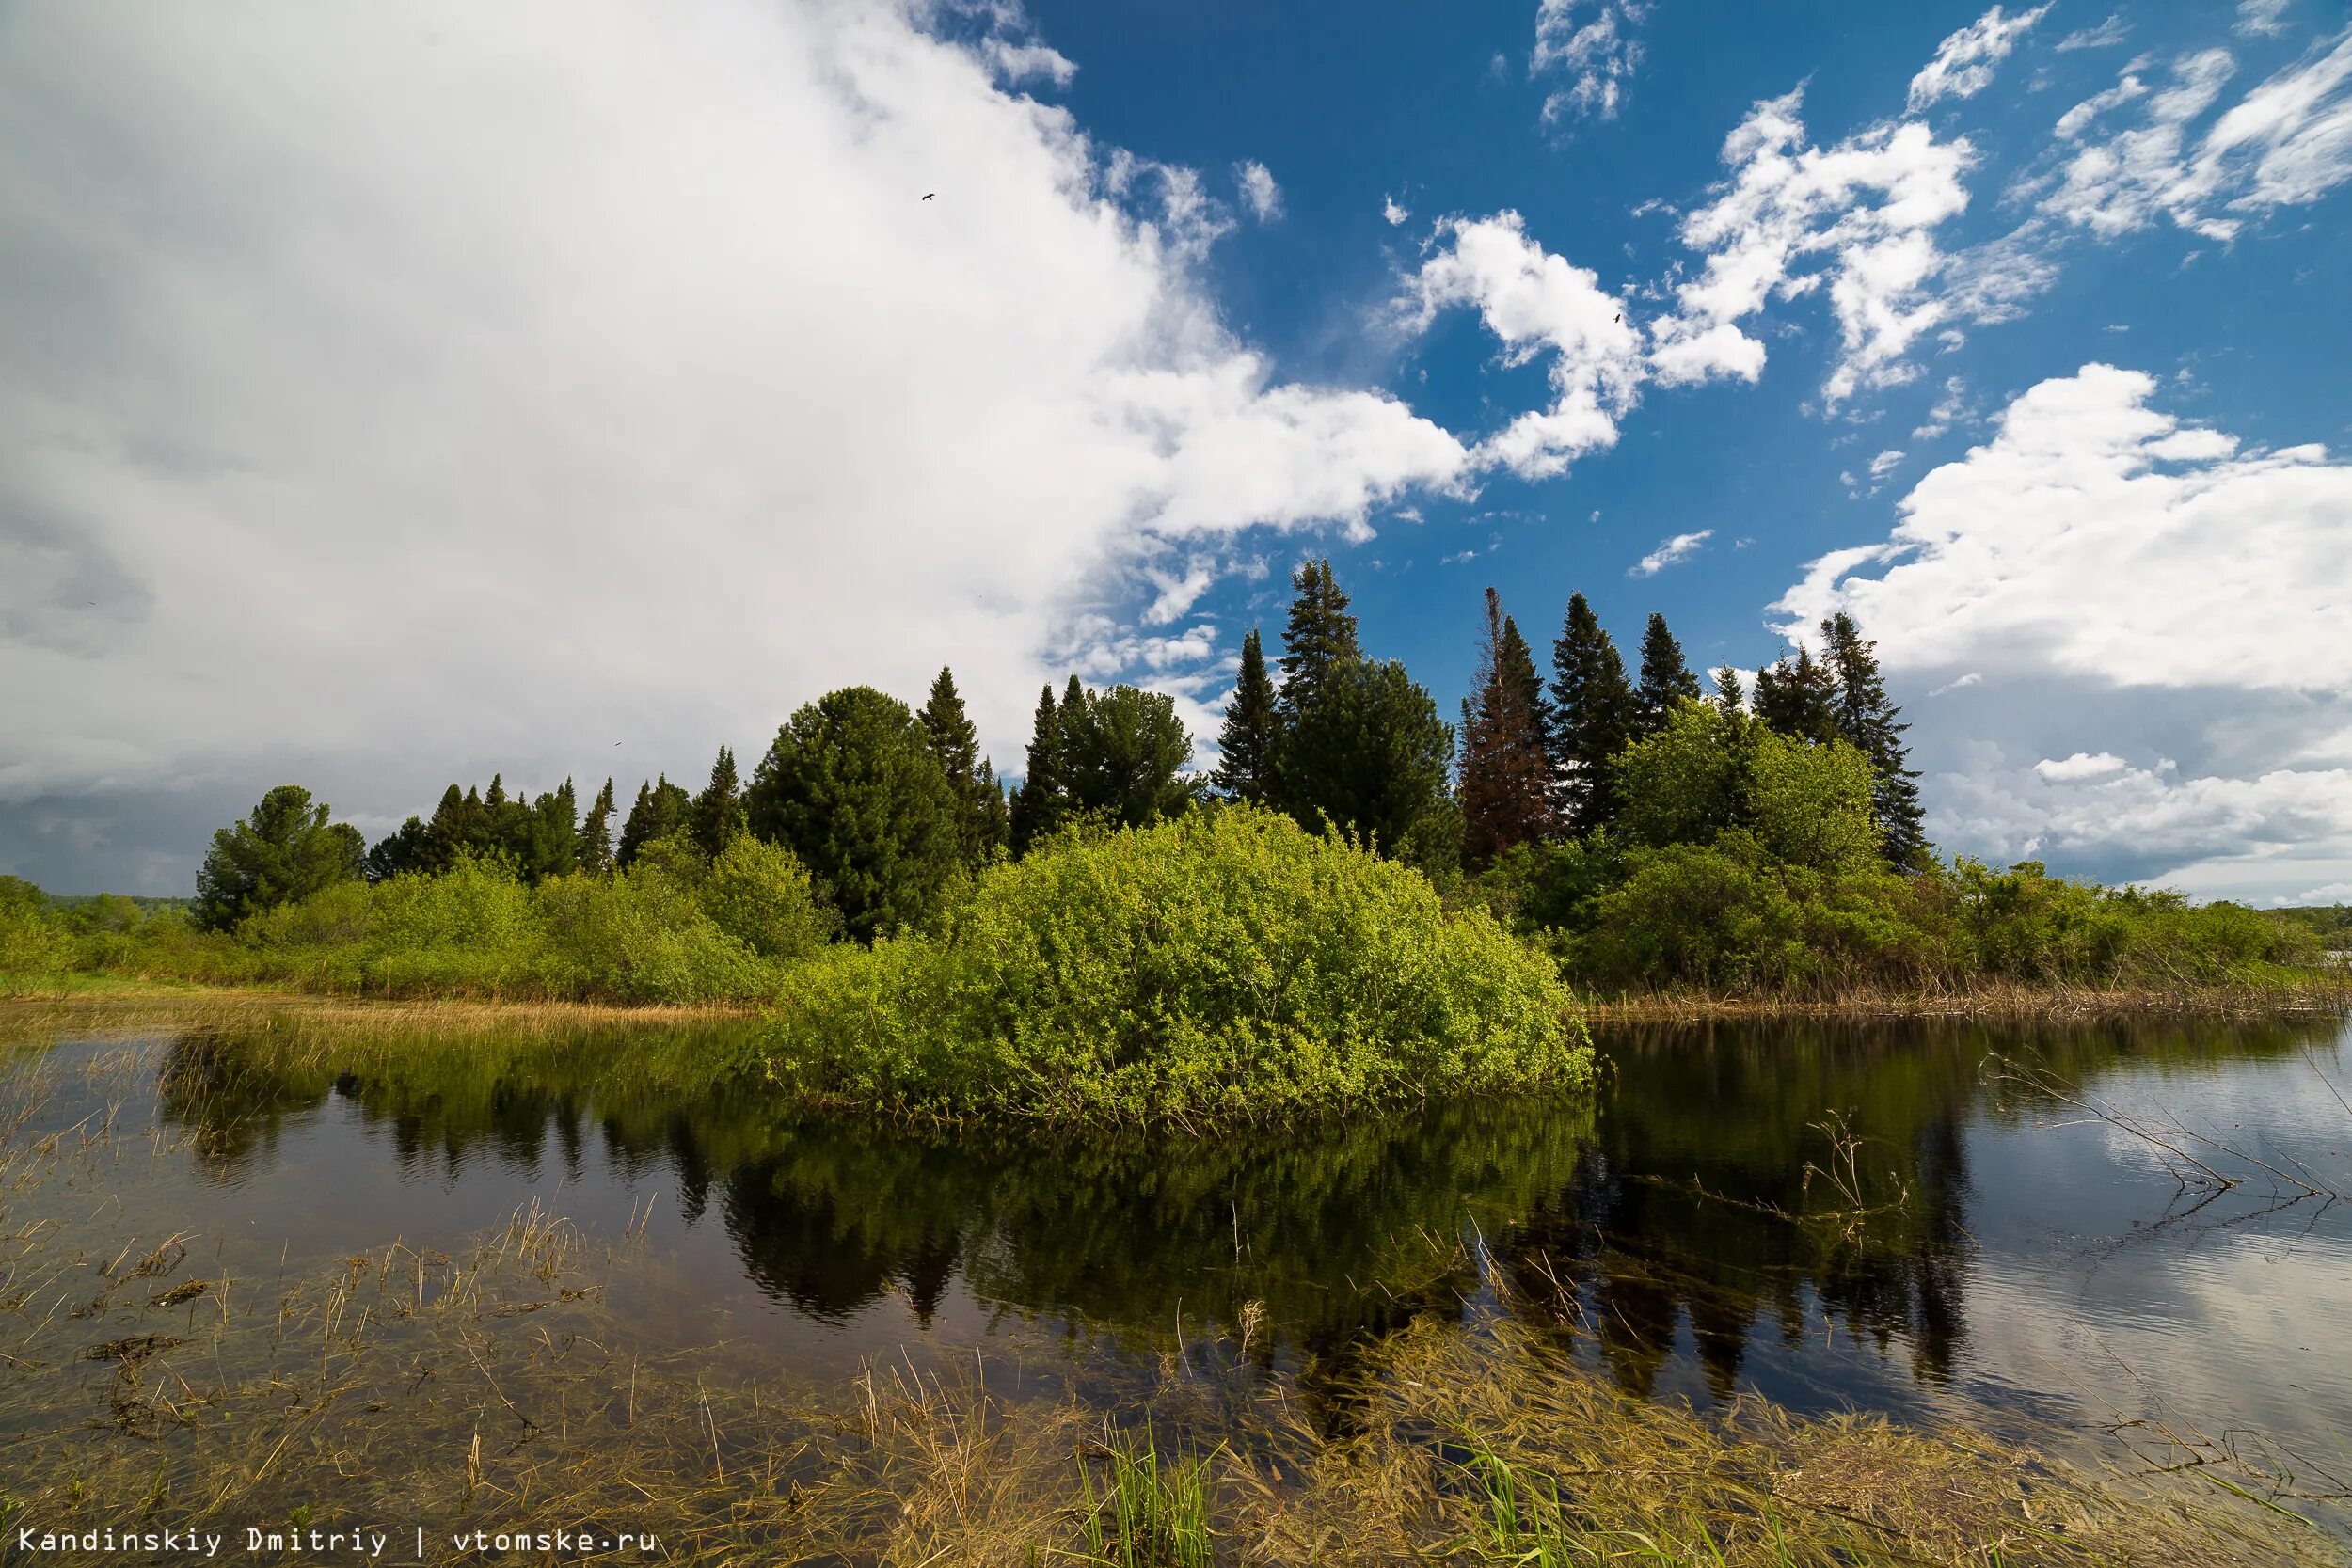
(675, 927)
(1226, 963)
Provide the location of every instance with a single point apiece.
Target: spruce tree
(947, 731)
(1039, 805)
(717, 817)
(595, 834)
(995, 814)
(1592, 715)
(1665, 679)
(1251, 735)
(1729, 694)
(1871, 721)
(1799, 698)
(1320, 638)
(1122, 756)
(1505, 771)
(553, 836)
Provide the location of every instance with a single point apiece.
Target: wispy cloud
(1259, 192)
(1592, 43)
(1964, 62)
(1681, 547)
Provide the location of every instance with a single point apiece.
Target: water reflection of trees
(1688, 1207)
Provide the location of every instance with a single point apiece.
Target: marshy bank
(1798, 1293)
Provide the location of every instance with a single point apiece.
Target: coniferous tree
(1039, 805)
(995, 813)
(1122, 752)
(1250, 740)
(662, 810)
(717, 817)
(1729, 694)
(595, 836)
(552, 838)
(1506, 773)
(1593, 714)
(953, 740)
(404, 851)
(1871, 721)
(495, 797)
(286, 848)
(1799, 698)
(1320, 638)
(1665, 679)
(851, 788)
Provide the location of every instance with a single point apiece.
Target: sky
(397, 394)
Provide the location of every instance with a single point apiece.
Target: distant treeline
(1644, 833)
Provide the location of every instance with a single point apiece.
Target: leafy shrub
(1223, 964)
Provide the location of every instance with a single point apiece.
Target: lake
(2119, 1241)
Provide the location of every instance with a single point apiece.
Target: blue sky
(407, 396)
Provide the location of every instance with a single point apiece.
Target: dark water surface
(1834, 1216)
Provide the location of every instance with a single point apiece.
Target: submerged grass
(499, 1387)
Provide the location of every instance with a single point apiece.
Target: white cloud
(1950, 408)
(1391, 211)
(1591, 42)
(1681, 547)
(1960, 683)
(2076, 119)
(2261, 18)
(2095, 535)
(2104, 36)
(1538, 303)
(1868, 204)
(1964, 62)
(575, 377)
(1018, 62)
(1259, 192)
(2286, 143)
(2081, 765)
(1885, 463)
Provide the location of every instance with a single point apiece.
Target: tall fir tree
(595, 834)
(1592, 719)
(1798, 698)
(1505, 768)
(1039, 805)
(1320, 638)
(1251, 739)
(1867, 718)
(718, 819)
(1730, 695)
(1665, 679)
(949, 731)
(553, 836)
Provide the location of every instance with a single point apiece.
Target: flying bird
(927, 195)
(1620, 321)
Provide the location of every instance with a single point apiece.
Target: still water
(2137, 1252)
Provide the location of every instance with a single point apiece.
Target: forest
(1631, 831)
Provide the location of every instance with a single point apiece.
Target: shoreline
(132, 998)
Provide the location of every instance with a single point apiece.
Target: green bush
(36, 945)
(1224, 964)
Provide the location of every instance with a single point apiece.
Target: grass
(147, 1381)
(1981, 998)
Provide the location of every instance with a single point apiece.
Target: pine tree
(1871, 721)
(1665, 679)
(1320, 638)
(595, 834)
(497, 796)
(1729, 694)
(1799, 698)
(995, 814)
(1506, 774)
(1252, 734)
(1593, 713)
(1039, 805)
(718, 819)
(552, 836)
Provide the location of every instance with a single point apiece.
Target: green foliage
(1223, 964)
(758, 894)
(1689, 781)
(1042, 804)
(851, 786)
(287, 849)
(1318, 641)
(1506, 764)
(662, 810)
(718, 819)
(1122, 753)
(1810, 805)
(1868, 719)
(1250, 743)
(36, 943)
(595, 834)
(981, 826)
(1371, 755)
(1593, 711)
(1666, 680)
